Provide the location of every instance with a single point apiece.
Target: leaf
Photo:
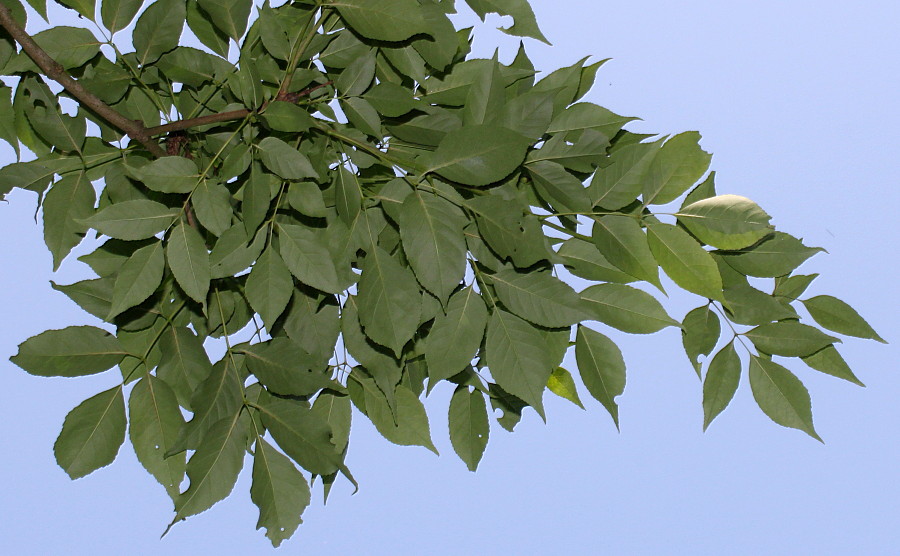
(133, 220)
(66, 133)
(777, 255)
(85, 8)
(390, 100)
(586, 115)
(92, 434)
(687, 264)
(406, 425)
(67, 204)
(781, 395)
(584, 260)
(524, 22)
(313, 324)
(622, 181)
(158, 30)
(280, 492)
(539, 297)
(284, 160)
(229, 16)
(169, 174)
(219, 396)
(70, 352)
(562, 384)
(155, 423)
(283, 116)
(432, 236)
(789, 338)
(792, 287)
(138, 278)
(71, 47)
(389, 301)
(357, 77)
(117, 14)
(184, 364)
(721, 383)
(678, 165)
(269, 287)
(601, 367)
(509, 231)
(478, 155)
(302, 434)
(469, 428)
(626, 308)
(747, 305)
(726, 221)
(308, 258)
(214, 468)
(285, 368)
(517, 356)
(94, 296)
(622, 242)
(829, 361)
(455, 336)
(187, 257)
(559, 187)
(385, 20)
(212, 205)
(700, 331)
(336, 411)
(835, 315)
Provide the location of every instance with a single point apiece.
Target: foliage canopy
(359, 209)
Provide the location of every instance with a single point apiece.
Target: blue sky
(797, 101)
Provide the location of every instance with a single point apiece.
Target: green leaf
(726, 221)
(66, 133)
(229, 16)
(622, 181)
(385, 20)
(280, 492)
(528, 114)
(313, 324)
(835, 315)
(67, 204)
(184, 364)
(301, 433)
(92, 434)
(455, 336)
(86, 8)
(138, 278)
(585, 115)
(306, 198)
(406, 425)
(70, 47)
(517, 356)
(700, 331)
(469, 428)
(158, 30)
(676, 167)
(307, 256)
(133, 220)
(776, 255)
(257, 194)
(269, 287)
(789, 338)
(524, 22)
(284, 160)
(562, 384)
(70, 352)
(357, 77)
(748, 305)
(478, 155)
(431, 231)
(389, 301)
(509, 231)
(687, 264)
(559, 187)
(336, 411)
(214, 468)
(622, 242)
(781, 395)
(721, 383)
(284, 116)
(390, 100)
(378, 361)
(285, 368)
(539, 297)
(94, 296)
(117, 14)
(829, 361)
(347, 194)
(219, 396)
(212, 205)
(792, 287)
(626, 308)
(584, 260)
(234, 252)
(155, 423)
(187, 257)
(169, 174)
(602, 368)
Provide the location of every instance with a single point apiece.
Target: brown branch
(132, 128)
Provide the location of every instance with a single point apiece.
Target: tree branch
(132, 128)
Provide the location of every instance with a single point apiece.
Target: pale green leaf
(469, 428)
(155, 424)
(94, 296)
(357, 77)
(158, 30)
(721, 382)
(517, 356)
(70, 352)
(85, 8)
(622, 181)
(562, 384)
(117, 14)
(622, 242)
(601, 367)
(829, 361)
(585, 115)
(700, 331)
(776, 255)
(524, 22)
(781, 395)
(837, 316)
(313, 323)
(187, 257)
(726, 221)
(789, 338)
(748, 305)
(626, 308)
(280, 492)
(685, 261)
(792, 287)
(676, 167)
(336, 411)
(92, 434)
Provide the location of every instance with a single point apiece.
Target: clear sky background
(798, 102)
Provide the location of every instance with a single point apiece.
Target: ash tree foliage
(339, 197)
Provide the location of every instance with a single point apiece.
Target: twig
(132, 128)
